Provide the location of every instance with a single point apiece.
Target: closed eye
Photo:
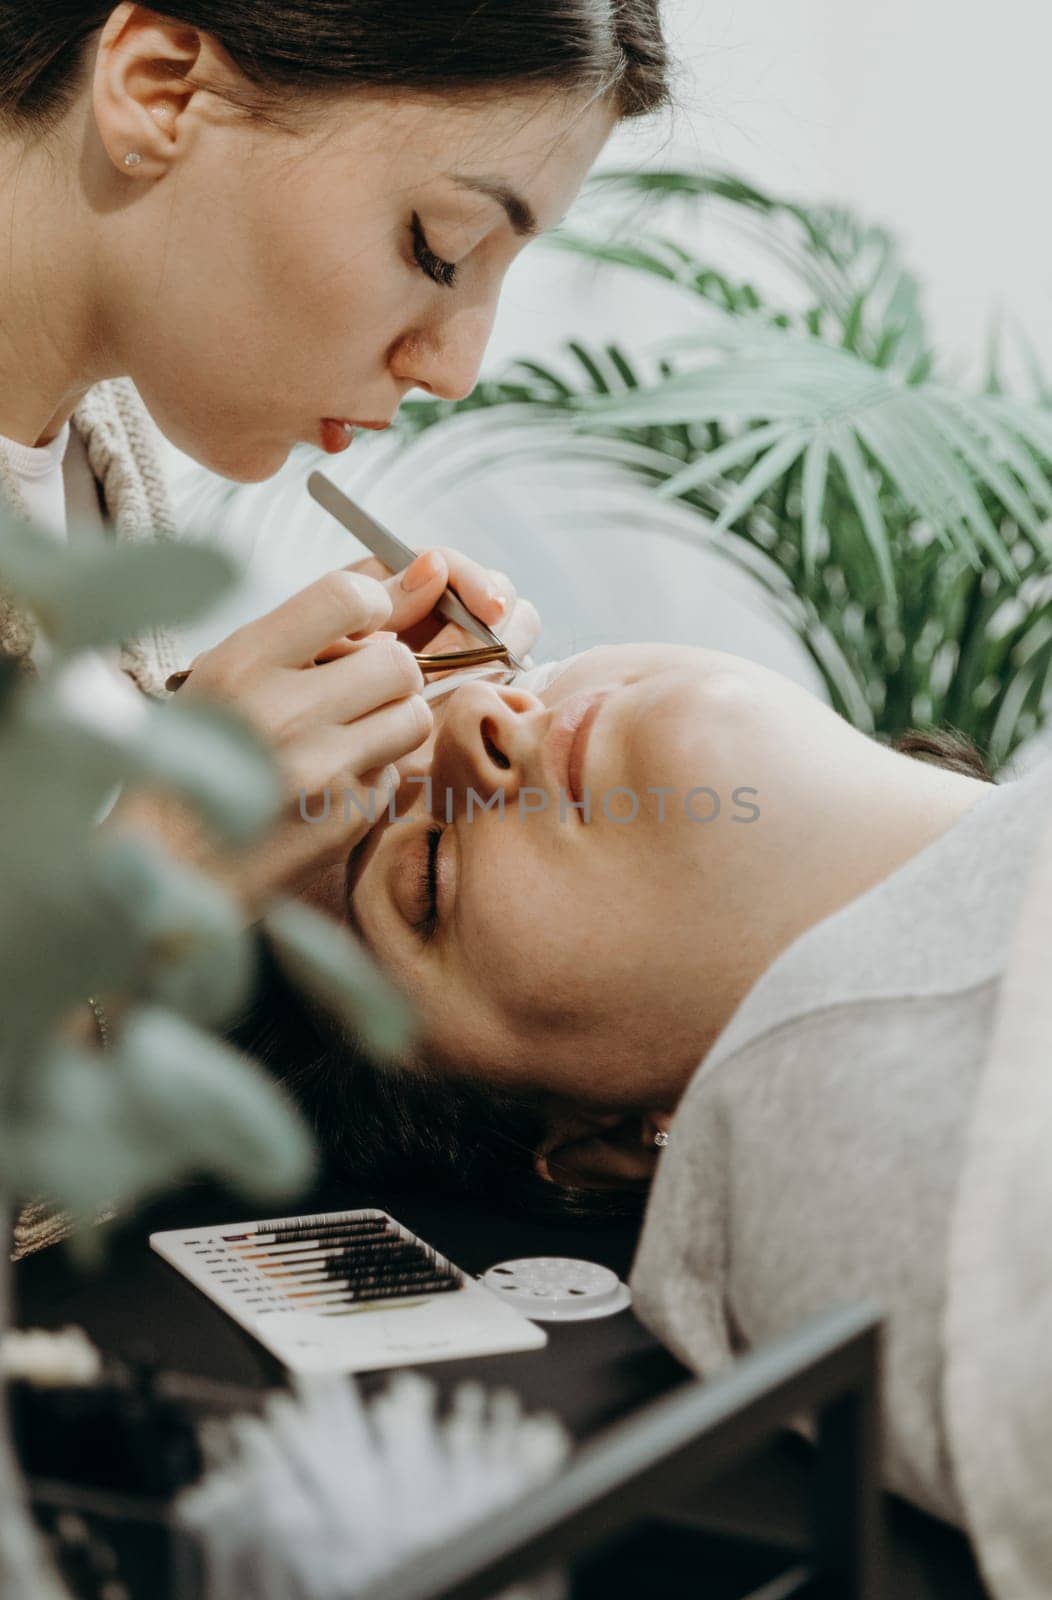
(439, 271)
(425, 923)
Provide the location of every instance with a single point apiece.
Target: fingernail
(421, 571)
(498, 600)
(390, 778)
(376, 633)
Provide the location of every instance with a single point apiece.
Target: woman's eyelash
(426, 923)
(439, 271)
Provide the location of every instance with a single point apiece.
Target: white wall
(930, 116)
(948, 136)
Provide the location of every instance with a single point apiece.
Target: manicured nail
(421, 571)
(390, 778)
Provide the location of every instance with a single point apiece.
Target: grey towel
(997, 1386)
(817, 1153)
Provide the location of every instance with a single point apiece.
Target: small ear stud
(132, 159)
(661, 1138)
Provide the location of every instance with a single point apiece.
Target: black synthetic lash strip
(345, 1291)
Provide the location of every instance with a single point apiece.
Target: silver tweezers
(396, 555)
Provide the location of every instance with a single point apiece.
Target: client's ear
(601, 1150)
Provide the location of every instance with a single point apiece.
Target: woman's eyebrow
(520, 213)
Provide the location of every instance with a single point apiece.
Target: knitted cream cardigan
(124, 453)
(125, 456)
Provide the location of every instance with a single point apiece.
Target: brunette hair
(945, 747)
(395, 1127)
(392, 1127)
(289, 47)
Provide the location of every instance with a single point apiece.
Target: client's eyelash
(439, 271)
(426, 923)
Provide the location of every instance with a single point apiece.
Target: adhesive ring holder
(558, 1288)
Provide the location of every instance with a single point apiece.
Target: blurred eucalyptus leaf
(11, 677)
(167, 1104)
(80, 1140)
(56, 774)
(96, 592)
(206, 753)
(324, 960)
(57, 945)
(65, 932)
(87, 910)
(214, 758)
(185, 944)
(209, 1108)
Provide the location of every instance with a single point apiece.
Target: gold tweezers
(439, 661)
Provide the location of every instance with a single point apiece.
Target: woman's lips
(338, 432)
(566, 744)
(335, 435)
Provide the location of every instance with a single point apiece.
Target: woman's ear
(142, 85)
(601, 1150)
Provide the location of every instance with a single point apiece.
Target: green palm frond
(944, 459)
(900, 526)
(859, 292)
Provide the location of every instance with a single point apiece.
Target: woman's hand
(486, 592)
(336, 728)
(489, 594)
(329, 679)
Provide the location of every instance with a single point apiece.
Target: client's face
(589, 959)
(592, 955)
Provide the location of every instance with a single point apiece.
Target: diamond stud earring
(132, 159)
(661, 1139)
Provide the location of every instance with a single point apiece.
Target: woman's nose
(488, 742)
(445, 359)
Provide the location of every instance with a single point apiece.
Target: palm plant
(899, 523)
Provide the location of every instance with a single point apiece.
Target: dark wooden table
(590, 1373)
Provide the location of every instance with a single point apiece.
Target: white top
(38, 469)
(61, 494)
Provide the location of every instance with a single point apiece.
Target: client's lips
(566, 743)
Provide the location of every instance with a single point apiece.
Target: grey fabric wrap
(816, 1155)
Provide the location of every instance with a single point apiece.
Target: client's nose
(487, 742)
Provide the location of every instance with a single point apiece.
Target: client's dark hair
(392, 1126)
(945, 747)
